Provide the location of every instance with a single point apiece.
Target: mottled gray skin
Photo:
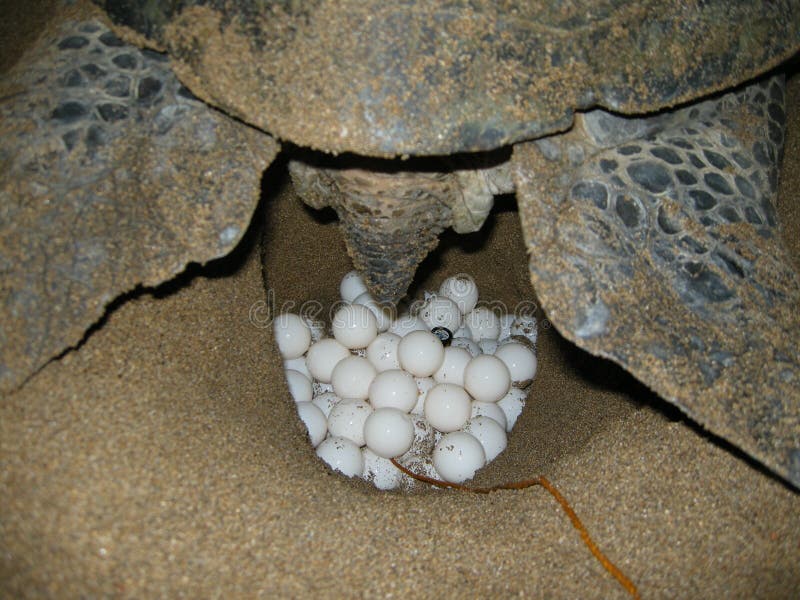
(653, 237)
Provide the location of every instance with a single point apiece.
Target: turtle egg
(467, 344)
(380, 471)
(321, 388)
(382, 352)
(352, 376)
(388, 432)
(490, 434)
(317, 328)
(487, 346)
(483, 324)
(519, 359)
(457, 456)
(393, 388)
(315, 422)
(323, 356)
(292, 335)
(447, 407)
(453, 365)
(462, 290)
(325, 402)
(424, 436)
(486, 378)
(505, 320)
(382, 312)
(512, 404)
(354, 326)
(299, 386)
(342, 455)
(352, 286)
(347, 419)
(420, 353)
(440, 311)
(297, 364)
(405, 324)
(491, 410)
(525, 325)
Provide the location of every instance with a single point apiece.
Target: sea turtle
(642, 141)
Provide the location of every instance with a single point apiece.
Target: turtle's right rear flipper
(654, 242)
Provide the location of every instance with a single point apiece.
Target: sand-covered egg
(457, 456)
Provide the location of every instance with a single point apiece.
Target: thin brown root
(521, 485)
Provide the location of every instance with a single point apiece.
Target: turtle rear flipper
(111, 175)
(656, 245)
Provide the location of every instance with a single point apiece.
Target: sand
(162, 457)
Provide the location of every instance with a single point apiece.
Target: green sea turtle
(642, 141)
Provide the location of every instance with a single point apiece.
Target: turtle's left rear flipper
(654, 242)
(111, 175)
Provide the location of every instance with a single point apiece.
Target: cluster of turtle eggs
(438, 390)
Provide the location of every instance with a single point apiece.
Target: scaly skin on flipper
(661, 252)
(111, 175)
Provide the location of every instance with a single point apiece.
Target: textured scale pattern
(111, 174)
(654, 242)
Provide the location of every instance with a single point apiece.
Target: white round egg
(297, 364)
(520, 360)
(440, 311)
(325, 402)
(462, 290)
(467, 344)
(491, 410)
(299, 386)
(342, 455)
(347, 419)
(453, 365)
(352, 376)
(394, 388)
(381, 311)
(323, 356)
(486, 378)
(447, 407)
(292, 335)
(388, 432)
(490, 434)
(512, 404)
(483, 324)
(315, 422)
(380, 471)
(405, 324)
(352, 286)
(421, 353)
(382, 352)
(457, 456)
(354, 326)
